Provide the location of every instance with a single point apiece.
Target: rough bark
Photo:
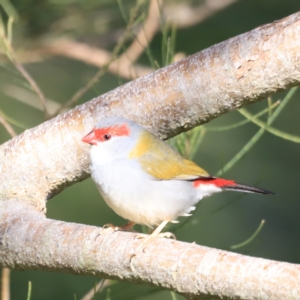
(40, 162)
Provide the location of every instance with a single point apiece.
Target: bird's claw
(168, 235)
(109, 225)
(126, 227)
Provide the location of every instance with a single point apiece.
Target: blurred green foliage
(220, 221)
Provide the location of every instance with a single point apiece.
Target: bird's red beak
(90, 138)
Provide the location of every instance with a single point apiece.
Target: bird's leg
(126, 227)
(156, 233)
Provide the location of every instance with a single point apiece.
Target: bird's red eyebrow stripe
(118, 130)
(216, 181)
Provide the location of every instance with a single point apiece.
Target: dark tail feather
(247, 189)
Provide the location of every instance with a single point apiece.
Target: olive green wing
(162, 162)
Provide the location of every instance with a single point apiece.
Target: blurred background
(70, 48)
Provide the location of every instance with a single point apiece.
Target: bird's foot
(167, 235)
(155, 234)
(126, 227)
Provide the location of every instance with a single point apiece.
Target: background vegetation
(222, 221)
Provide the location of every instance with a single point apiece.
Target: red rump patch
(117, 130)
(216, 181)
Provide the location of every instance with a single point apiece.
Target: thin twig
(143, 38)
(12, 57)
(97, 289)
(258, 134)
(33, 84)
(7, 126)
(125, 62)
(5, 284)
(82, 52)
(183, 15)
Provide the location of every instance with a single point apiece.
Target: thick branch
(194, 271)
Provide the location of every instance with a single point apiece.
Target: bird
(144, 180)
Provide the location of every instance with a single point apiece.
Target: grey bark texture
(42, 161)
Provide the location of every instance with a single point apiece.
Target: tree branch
(195, 271)
(40, 162)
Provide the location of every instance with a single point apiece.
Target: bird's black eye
(106, 137)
